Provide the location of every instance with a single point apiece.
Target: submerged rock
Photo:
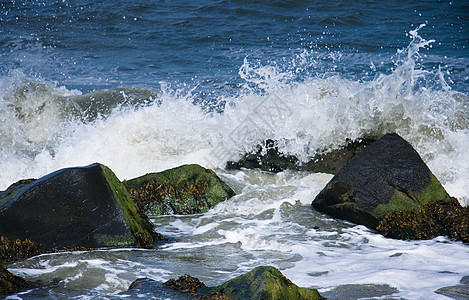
(145, 288)
(10, 283)
(187, 189)
(387, 176)
(259, 284)
(102, 102)
(75, 207)
(460, 291)
(269, 158)
(362, 291)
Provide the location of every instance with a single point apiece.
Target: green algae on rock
(388, 175)
(187, 189)
(76, 207)
(139, 224)
(265, 282)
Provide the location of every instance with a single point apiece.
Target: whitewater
(135, 131)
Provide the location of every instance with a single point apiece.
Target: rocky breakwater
(188, 189)
(388, 187)
(89, 207)
(263, 282)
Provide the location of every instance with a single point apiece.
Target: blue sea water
(142, 86)
(93, 45)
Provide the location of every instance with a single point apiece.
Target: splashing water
(44, 127)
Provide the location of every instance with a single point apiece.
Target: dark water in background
(93, 45)
(142, 86)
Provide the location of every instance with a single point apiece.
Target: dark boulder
(387, 176)
(188, 189)
(75, 207)
(13, 190)
(267, 157)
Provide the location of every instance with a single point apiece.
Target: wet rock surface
(75, 207)
(269, 158)
(388, 175)
(457, 292)
(188, 189)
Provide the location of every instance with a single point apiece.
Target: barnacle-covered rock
(185, 284)
(431, 220)
(187, 189)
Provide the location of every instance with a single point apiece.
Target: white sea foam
(313, 250)
(315, 114)
(309, 248)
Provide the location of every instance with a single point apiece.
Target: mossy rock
(265, 283)
(434, 219)
(10, 283)
(188, 189)
(387, 176)
(75, 207)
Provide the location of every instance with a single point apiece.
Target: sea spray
(45, 129)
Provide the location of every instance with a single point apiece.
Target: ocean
(142, 86)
